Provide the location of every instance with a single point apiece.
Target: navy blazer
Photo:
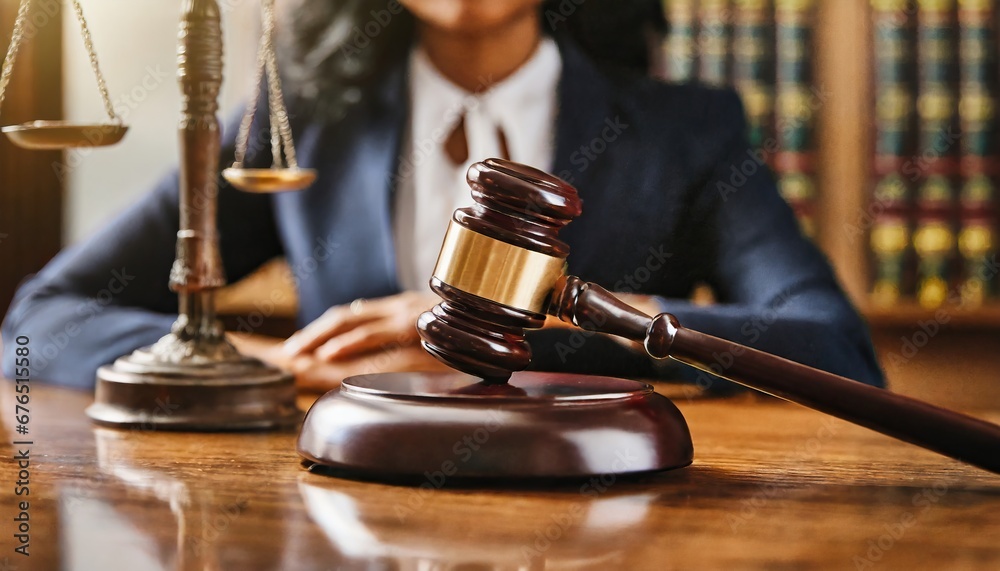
(672, 195)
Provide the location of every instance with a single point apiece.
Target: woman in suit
(391, 103)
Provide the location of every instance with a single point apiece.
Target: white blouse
(430, 186)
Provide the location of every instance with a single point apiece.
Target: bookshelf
(957, 366)
(843, 59)
(985, 318)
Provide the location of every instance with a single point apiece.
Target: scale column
(198, 268)
(193, 378)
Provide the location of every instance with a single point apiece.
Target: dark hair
(333, 50)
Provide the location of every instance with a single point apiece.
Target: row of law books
(934, 223)
(763, 49)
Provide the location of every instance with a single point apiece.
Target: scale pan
(269, 180)
(55, 135)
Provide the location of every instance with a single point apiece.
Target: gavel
(501, 271)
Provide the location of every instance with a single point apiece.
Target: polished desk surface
(773, 486)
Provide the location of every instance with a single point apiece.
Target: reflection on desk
(773, 485)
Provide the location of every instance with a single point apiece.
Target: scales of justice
(199, 379)
(501, 271)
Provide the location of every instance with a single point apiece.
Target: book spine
(795, 105)
(892, 227)
(977, 116)
(977, 86)
(890, 239)
(938, 145)
(894, 80)
(714, 38)
(934, 239)
(753, 66)
(798, 187)
(794, 76)
(977, 241)
(937, 101)
(680, 43)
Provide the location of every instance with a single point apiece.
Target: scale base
(242, 394)
(435, 426)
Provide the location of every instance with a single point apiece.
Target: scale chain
(282, 145)
(89, 45)
(279, 113)
(15, 42)
(17, 37)
(243, 136)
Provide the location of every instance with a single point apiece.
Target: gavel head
(498, 265)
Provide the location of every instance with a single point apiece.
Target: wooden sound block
(538, 425)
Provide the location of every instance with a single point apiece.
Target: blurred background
(137, 46)
(877, 117)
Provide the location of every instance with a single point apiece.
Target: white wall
(136, 43)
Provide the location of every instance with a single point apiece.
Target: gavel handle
(947, 432)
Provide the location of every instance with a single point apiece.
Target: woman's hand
(366, 337)
(312, 374)
(316, 375)
(366, 325)
(346, 331)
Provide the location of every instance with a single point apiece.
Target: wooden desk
(773, 486)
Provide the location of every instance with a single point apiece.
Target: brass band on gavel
(497, 271)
